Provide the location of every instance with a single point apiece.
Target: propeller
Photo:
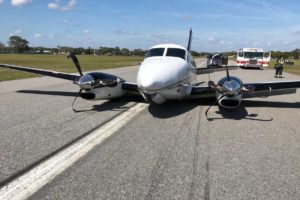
(91, 80)
(227, 87)
(76, 62)
(94, 79)
(227, 73)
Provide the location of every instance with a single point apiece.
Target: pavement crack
(207, 181)
(157, 174)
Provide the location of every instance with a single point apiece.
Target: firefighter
(279, 67)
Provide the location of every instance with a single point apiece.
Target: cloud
(53, 5)
(16, 32)
(37, 35)
(211, 39)
(86, 31)
(20, 2)
(161, 36)
(1, 1)
(51, 36)
(57, 6)
(124, 32)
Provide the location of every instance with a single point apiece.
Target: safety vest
(281, 61)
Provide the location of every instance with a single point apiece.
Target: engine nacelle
(98, 85)
(230, 102)
(103, 93)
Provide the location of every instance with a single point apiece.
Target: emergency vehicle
(253, 58)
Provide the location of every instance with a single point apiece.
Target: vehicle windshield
(266, 54)
(253, 54)
(155, 52)
(174, 52)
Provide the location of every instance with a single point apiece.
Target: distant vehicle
(253, 58)
(216, 60)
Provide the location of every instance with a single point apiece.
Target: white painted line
(32, 181)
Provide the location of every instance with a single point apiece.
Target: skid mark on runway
(207, 181)
(195, 184)
(195, 157)
(162, 164)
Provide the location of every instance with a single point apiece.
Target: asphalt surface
(168, 151)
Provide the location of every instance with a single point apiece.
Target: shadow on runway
(118, 104)
(236, 114)
(242, 113)
(51, 93)
(172, 108)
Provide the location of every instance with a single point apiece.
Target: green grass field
(61, 63)
(294, 69)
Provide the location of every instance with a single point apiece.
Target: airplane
(168, 72)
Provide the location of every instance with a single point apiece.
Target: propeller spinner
(92, 80)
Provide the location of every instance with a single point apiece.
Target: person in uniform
(279, 67)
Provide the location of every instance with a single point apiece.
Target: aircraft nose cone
(148, 83)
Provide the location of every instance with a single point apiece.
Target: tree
(18, 44)
(1, 45)
(125, 52)
(117, 51)
(195, 53)
(138, 52)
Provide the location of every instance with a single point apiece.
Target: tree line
(17, 44)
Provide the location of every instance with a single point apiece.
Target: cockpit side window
(175, 52)
(155, 52)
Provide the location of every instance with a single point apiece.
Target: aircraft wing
(266, 89)
(202, 92)
(208, 70)
(130, 88)
(55, 74)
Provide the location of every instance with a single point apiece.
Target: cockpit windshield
(155, 52)
(175, 52)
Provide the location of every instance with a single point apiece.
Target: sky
(218, 25)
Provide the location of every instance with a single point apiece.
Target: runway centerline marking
(30, 182)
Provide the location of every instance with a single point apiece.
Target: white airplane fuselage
(168, 73)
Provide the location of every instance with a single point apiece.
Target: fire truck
(253, 58)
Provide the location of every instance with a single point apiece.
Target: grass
(294, 69)
(61, 63)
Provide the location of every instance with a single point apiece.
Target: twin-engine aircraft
(168, 72)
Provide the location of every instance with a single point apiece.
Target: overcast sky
(218, 25)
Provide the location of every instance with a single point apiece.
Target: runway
(168, 151)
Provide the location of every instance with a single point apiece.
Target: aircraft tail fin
(190, 40)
